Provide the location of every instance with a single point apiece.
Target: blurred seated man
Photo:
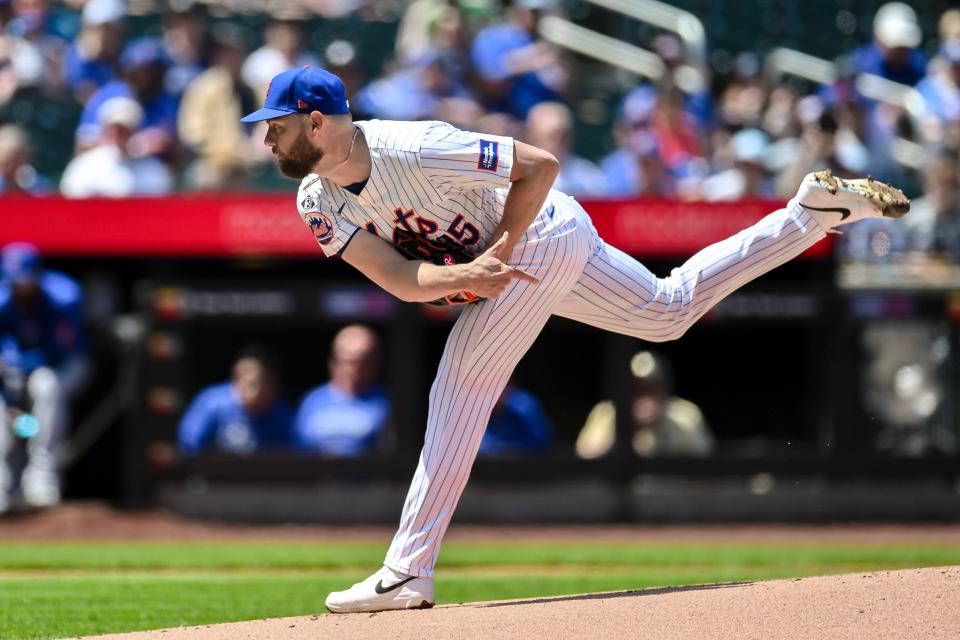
(110, 169)
(637, 167)
(283, 48)
(550, 127)
(209, 119)
(895, 52)
(748, 178)
(517, 425)
(248, 413)
(936, 229)
(44, 364)
(663, 424)
(346, 416)
(931, 234)
(17, 174)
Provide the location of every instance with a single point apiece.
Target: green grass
(54, 590)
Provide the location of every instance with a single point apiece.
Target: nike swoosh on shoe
(379, 588)
(843, 211)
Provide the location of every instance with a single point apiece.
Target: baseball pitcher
(435, 214)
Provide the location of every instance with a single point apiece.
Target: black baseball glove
(441, 251)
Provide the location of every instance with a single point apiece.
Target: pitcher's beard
(300, 160)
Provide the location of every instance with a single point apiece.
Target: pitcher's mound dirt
(914, 603)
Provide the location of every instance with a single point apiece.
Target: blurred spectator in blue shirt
(941, 89)
(517, 425)
(550, 127)
(184, 39)
(636, 167)
(346, 416)
(144, 65)
(44, 364)
(697, 100)
(515, 68)
(894, 53)
(17, 175)
(245, 415)
(436, 25)
(411, 93)
(91, 60)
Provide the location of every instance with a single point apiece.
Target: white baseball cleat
(832, 201)
(41, 488)
(384, 591)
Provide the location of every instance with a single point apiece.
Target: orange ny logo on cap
(301, 104)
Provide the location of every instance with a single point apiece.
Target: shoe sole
(890, 201)
(423, 605)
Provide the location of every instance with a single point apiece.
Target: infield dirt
(913, 603)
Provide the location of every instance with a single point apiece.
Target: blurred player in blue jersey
(43, 358)
(346, 416)
(518, 425)
(248, 413)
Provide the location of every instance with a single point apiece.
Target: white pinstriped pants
(584, 279)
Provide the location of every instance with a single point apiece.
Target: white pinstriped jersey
(427, 177)
(431, 178)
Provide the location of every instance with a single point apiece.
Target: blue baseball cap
(21, 263)
(302, 91)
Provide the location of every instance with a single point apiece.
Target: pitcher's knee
(663, 325)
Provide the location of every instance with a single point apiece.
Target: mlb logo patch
(489, 155)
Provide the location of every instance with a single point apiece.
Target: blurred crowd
(84, 100)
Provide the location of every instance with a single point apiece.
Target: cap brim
(265, 114)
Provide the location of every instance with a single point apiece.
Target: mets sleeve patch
(320, 225)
